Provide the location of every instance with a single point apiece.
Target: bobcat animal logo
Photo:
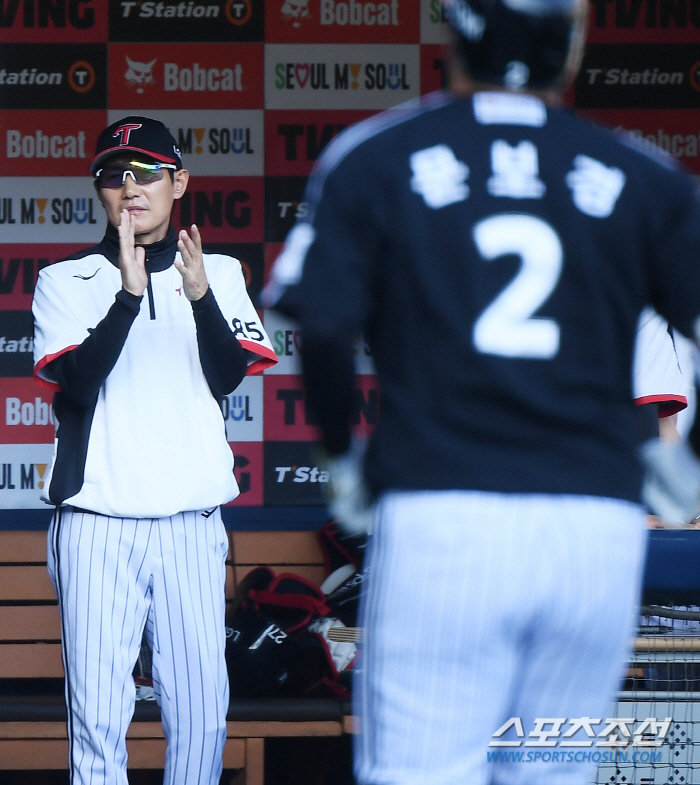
(295, 10)
(139, 74)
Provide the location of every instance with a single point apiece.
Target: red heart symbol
(301, 71)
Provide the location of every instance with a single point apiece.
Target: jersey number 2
(506, 326)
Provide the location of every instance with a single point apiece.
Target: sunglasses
(142, 174)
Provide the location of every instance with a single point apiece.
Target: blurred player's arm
(328, 365)
(668, 428)
(325, 279)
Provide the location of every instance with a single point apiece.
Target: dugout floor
(303, 761)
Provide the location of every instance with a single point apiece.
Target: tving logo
(38, 13)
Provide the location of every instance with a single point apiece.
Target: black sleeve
(675, 223)
(339, 251)
(222, 356)
(81, 372)
(328, 365)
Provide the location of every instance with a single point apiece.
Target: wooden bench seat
(32, 708)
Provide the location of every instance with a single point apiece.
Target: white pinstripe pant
(113, 576)
(482, 607)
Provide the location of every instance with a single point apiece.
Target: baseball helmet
(518, 44)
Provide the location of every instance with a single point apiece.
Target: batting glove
(671, 487)
(347, 495)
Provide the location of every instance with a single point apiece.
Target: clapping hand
(191, 268)
(132, 259)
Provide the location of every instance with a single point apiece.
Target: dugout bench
(32, 707)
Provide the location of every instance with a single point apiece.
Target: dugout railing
(663, 678)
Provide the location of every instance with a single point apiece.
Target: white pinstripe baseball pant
(482, 607)
(113, 576)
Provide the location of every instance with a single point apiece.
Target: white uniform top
(657, 375)
(157, 439)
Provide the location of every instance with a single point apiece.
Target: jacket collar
(159, 255)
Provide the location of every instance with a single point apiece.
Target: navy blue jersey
(499, 252)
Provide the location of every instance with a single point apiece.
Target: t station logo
(285, 203)
(191, 20)
(644, 76)
(236, 12)
(16, 343)
(53, 75)
(292, 474)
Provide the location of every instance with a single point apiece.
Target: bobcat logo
(139, 74)
(295, 9)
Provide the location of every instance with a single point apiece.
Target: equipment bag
(274, 644)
